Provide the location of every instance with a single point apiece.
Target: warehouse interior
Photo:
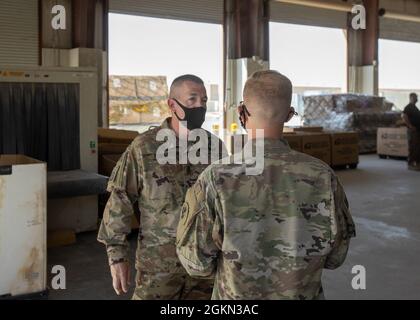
(80, 79)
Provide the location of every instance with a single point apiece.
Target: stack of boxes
(112, 143)
(351, 113)
(336, 149)
(138, 100)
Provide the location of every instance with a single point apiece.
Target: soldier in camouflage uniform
(159, 191)
(265, 236)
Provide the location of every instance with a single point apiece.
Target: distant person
(158, 190)
(411, 116)
(268, 235)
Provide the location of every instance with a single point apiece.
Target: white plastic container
(23, 201)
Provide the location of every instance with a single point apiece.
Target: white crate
(393, 142)
(23, 201)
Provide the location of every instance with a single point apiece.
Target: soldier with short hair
(268, 235)
(159, 190)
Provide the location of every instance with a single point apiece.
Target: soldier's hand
(120, 273)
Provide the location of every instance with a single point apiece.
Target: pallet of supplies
(302, 129)
(317, 145)
(294, 140)
(344, 149)
(349, 112)
(393, 142)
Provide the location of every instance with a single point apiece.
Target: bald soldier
(158, 189)
(270, 235)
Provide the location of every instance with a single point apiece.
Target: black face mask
(193, 116)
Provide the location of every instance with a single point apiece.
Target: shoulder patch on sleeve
(193, 205)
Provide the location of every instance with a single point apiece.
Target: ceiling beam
(346, 7)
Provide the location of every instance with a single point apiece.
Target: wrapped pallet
(350, 112)
(137, 99)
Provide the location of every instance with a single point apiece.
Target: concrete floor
(385, 202)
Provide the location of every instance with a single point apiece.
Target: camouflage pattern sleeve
(124, 186)
(342, 226)
(200, 232)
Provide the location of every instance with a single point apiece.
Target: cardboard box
(106, 135)
(294, 140)
(302, 129)
(393, 142)
(107, 163)
(138, 99)
(344, 148)
(317, 145)
(112, 148)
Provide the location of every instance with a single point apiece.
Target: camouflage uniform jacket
(267, 236)
(159, 191)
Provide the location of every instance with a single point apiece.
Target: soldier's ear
(171, 104)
